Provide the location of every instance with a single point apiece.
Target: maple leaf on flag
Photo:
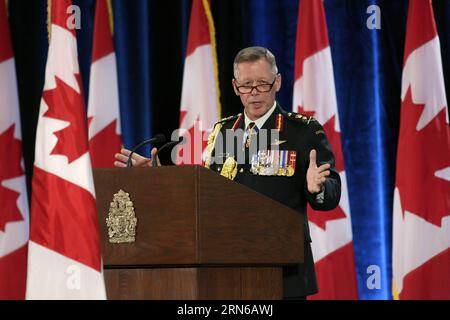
(420, 155)
(10, 158)
(106, 142)
(65, 104)
(334, 138)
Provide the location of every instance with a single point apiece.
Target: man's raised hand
(316, 176)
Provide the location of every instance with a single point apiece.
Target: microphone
(167, 145)
(159, 138)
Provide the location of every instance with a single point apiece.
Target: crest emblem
(121, 219)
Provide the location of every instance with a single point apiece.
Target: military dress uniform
(277, 168)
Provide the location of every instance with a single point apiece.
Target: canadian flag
(103, 108)
(200, 102)
(64, 259)
(13, 194)
(421, 215)
(314, 94)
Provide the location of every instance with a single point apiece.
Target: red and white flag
(13, 194)
(314, 94)
(421, 217)
(200, 102)
(64, 258)
(103, 107)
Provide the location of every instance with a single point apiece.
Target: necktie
(251, 130)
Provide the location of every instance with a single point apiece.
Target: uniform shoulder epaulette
(228, 118)
(300, 117)
(212, 137)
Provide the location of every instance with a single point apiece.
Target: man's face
(248, 74)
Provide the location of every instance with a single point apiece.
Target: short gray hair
(252, 54)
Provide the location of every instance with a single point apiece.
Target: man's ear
(233, 83)
(278, 82)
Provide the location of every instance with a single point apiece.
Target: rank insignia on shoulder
(274, 163)
(304, 119)
(301, 117)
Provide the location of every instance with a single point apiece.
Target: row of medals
(274, 163)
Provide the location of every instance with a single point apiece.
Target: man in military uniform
(296, 168)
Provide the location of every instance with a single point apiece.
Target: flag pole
(49, 19)
(111, 16)
(212, 35)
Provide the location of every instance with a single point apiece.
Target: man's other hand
(136, 159)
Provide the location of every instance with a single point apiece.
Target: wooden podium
(198, 236)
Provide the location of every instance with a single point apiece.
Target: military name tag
(274, 163)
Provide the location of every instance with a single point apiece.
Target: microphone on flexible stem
(159, 138)
(167, 145)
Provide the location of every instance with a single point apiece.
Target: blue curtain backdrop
(132, 35)
(150, 38)
(132, 43)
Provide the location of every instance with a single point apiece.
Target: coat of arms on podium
(121, 219)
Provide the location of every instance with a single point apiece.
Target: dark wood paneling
(240, 283)
(151, 284)
(250, 283)
(262, 283)
(219, 283)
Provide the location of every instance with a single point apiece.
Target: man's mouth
(256, 103)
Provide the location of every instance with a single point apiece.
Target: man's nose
(254, 91)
